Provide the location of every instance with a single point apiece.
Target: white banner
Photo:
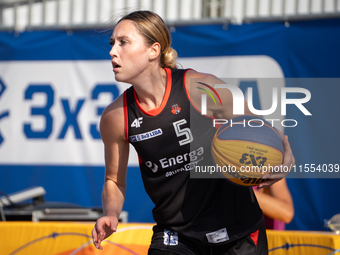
(54, 110)
(53, 107)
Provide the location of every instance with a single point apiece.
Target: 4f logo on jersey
(136, 123)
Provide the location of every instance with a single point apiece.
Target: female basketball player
(158, 115)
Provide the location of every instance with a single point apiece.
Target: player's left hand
(282, 170)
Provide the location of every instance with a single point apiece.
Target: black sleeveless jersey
(171, 141)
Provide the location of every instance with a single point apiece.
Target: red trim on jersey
(156, 111)
(126, 120)
(255, 236)
(140, 160)
(185, 85)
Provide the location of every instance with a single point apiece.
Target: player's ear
(155, 51)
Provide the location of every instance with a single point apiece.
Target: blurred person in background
(277, 205)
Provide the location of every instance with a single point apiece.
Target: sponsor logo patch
(176, 108)
(152, 166)
(146, 135)
(170, 237)
(218, 236)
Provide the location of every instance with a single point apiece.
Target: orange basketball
(245, 148)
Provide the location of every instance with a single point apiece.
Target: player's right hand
(286, 167)
(103, 228)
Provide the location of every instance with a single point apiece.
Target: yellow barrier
(61, 238)
(302, 242)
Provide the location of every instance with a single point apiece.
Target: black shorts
(169, 243)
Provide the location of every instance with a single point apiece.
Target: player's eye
(122, 42)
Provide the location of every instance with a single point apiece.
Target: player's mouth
(115, 66)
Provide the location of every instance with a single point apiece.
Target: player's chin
(118, 77)
(123, 78)
(119, 74)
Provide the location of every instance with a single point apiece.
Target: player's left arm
(219, 103)
(224, 110)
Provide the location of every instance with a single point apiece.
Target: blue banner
(55, 84)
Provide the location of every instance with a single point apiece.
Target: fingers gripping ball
(245, 148)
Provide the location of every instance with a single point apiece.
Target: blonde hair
(152, 27)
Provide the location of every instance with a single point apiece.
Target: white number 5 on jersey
(183, 132)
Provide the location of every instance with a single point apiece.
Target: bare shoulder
(197, 83)
(192, 79)
(195, 74)
(112, 121)
(192, 74)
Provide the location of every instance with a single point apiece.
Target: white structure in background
(33, 14)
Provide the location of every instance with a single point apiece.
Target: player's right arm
(116, 158)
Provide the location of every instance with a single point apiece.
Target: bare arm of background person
(276, 201)
(116, 159)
